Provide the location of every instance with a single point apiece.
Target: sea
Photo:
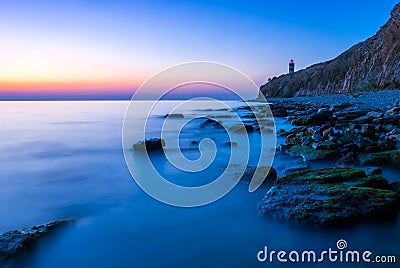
(65, 160)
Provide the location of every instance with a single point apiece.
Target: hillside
(369, 65)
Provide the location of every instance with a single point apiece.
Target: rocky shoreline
(346, 129)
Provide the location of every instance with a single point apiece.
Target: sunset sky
(92, 49)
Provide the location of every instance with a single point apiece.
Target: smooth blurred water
(65, 160)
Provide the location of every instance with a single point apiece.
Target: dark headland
(368, 66)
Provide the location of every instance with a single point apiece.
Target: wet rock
(231, 144)
(317, 137)
(393, 111)
(152, 144)
(375, 114)
(16, 242)
(210, 123)
(174, 116)
(308, 153)
(259, 173)
(330, 197)
(372, 171)
(293, 139)
(242, 128)
(395, 186)
(294, 167)
(282, 133)
(381, 158)
(363, 120)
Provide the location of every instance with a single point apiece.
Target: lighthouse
(291, 66)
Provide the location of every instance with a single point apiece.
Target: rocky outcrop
(331, 197)
(16, 242)
(370, 65)
(152, 144)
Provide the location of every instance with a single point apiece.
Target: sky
(107, 49)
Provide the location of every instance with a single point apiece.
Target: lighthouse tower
(291, 66)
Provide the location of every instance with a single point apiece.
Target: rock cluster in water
(343, 131)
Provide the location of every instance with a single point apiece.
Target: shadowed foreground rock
(330, 197)
(16, 242)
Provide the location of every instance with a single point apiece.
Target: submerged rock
(149, 144)
(16, 242)
(259, 173)
(330, 196)
(174, 116)
(290, 168)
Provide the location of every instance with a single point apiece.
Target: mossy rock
(308, 153)
(330, 197)
(381, 158)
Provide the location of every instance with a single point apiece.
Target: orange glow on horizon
(72, 86)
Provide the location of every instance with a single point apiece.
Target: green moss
(331, 196)
(309, 153)
(388, 157)
(323, 175)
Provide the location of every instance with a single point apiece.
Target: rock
(174, 116)
(231, 144)
(16, 242)
(317, 137)
(363, 120)
(381, 158)
(308, 153)
(375, 114)
(152, 144)
(294, 167)
(328, 132)
(329, 197)
(241, 128)
(327, 145)
(259, 173)
(293, 139)
(321, 117)
(372, 171)
(211, 123)
(396, 140)
(282, 133)
(395, 186)
(393, 111)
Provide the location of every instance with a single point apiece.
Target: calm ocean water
(64, 160)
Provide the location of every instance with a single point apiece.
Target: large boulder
(330, 197)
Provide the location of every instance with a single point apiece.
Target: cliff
(370, 65)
